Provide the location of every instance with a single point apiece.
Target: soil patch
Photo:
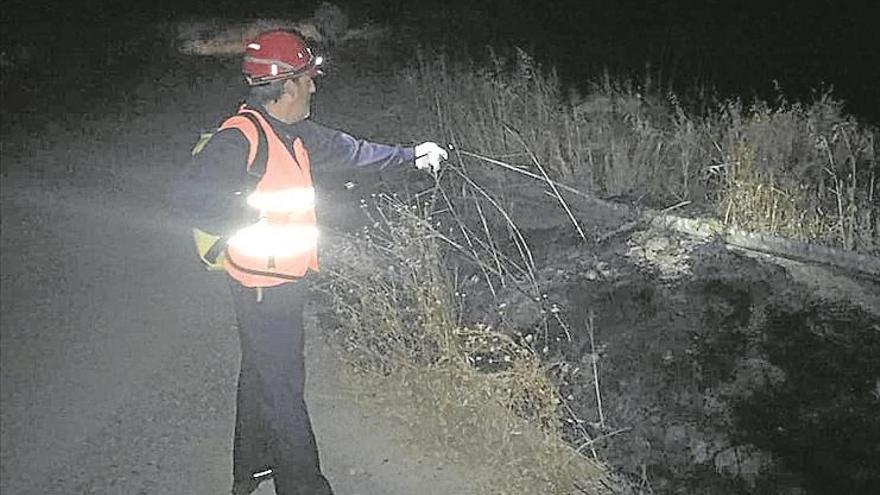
(717, 372)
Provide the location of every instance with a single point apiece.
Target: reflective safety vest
(282, 245)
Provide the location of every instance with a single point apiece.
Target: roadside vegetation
(801, 170)
(475, 395)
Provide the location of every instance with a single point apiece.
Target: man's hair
(267, 93)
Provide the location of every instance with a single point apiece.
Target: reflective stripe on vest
(282, 245)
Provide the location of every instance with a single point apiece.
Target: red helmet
(278, 54)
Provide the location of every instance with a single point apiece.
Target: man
(250, 195)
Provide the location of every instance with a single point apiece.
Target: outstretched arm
(332, 149)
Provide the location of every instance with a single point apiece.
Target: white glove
(429, 155)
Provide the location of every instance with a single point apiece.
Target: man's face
(300, 90)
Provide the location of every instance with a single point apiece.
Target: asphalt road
(119, 357)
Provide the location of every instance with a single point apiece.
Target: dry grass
(807, 172)
(465, 417)
(803, 170)
(474, 395)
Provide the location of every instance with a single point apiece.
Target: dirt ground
(719, 373)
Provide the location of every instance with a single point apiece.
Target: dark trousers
(272, 426)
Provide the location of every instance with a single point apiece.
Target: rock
(676, 435)
(657, 244)
(744, 462)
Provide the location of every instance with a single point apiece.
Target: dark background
(731, 48)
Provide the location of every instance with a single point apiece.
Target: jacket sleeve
(208, 193)
(330, 149)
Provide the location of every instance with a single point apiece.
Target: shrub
(474, 394)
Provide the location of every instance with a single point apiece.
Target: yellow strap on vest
(210, 248)
(202, 142)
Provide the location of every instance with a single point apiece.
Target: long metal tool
(519, 171)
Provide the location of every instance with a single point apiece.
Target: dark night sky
(738, 47)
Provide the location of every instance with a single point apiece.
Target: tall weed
(807, 171)
(474, 395)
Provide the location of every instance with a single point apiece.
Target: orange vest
(282, 245)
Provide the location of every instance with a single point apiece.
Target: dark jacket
(209, 194)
